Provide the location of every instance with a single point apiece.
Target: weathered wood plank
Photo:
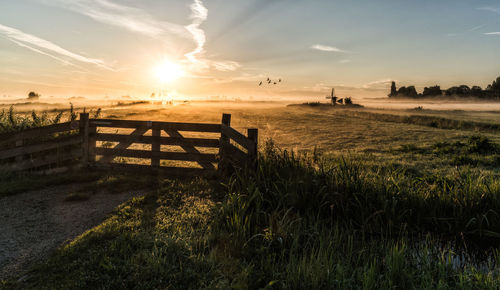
(92, 144)
(192, 127)
(28, 149)
(234, 154)
(190, 149)
(198, 142)
(46, 160)
(125, 144)
(84, 133)
(237, 137)
(156, 147)
(38, 132)
(112, 152)
(119, 123)
(189, 127)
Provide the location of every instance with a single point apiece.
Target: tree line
(492, 91)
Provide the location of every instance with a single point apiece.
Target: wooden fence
(100, 142)
(45, 147)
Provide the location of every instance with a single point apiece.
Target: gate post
(84, 133)
(224, 140)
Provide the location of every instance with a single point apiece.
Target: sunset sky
(226, 47)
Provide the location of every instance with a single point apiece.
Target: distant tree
(465, 90)
(348, 101)
(451, 91)
(432, 91)
(477, 91)
(394, 91)
(410, 92)
(461, 91)
(495, 86)
(33, 96)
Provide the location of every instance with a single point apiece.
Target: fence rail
(83, 142)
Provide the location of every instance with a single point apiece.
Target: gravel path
(34, 224)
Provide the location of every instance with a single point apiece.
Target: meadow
(342, 199)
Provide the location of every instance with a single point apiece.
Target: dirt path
(35, 223)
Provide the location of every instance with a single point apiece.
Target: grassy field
(342, 198)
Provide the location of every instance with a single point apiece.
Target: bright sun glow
(168, 71)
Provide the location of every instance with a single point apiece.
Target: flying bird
(260, 84)
(279, 80)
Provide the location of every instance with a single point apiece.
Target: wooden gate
(167, 146)
(130, 144)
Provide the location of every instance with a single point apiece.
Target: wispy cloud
(490, 9)
(44, 53)
(378, 84)
(130, 18)
(226, 65)
(327, 48)
(475, 28)
(199, 14)
(344, 61)
(492, 33)
(139, 21)
(43, 47)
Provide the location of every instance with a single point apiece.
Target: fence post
(224, 140)
(155, 147)
(84, 132)
(92, 144)
(253, 135)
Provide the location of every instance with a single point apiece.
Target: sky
(98, 48)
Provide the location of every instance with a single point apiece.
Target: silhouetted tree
(461, 91)
(465, 90)
(477, 91)
(33, 96)
(394, 90)
(410, 92)
(492, 91)
(432, 91)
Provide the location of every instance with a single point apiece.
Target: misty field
(342, 198)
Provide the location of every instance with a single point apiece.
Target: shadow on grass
(144, 244)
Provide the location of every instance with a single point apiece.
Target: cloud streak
(41, 46)
(129, 18)
(490, 9)
(327, 48)
(492, 33)
(199, 14)
(378, 84)
(139, 21)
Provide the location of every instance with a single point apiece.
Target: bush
(482, 145)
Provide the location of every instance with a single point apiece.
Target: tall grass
(12, 121)
(374, 200)
(305, 222)
(298, 222)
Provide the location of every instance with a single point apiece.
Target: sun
(168, 71)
